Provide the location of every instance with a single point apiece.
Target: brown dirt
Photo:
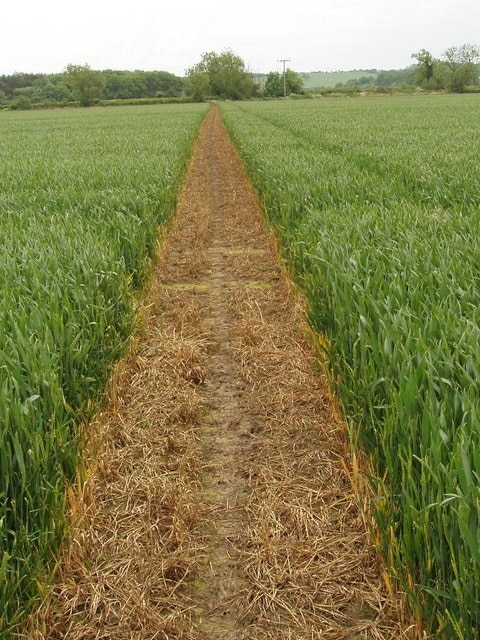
(218, 503)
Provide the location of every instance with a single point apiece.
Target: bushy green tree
(163, 84)
(197, 83)
(21, 103)
(86, 84)
(51, 89)
(425, 67)
(293, 81)
(8, 84)
(275, 86)
(221, 75)
(455, 72)
(462, 68)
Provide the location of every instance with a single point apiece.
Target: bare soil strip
(217, 505)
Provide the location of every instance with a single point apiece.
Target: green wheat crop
(82, 193)
(376, 202)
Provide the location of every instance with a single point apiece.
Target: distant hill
(327, 79)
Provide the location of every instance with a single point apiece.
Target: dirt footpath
(217, 505)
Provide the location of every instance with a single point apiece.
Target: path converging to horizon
(218, 504)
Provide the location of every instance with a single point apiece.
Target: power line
(284, 60)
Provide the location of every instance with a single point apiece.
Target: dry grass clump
(186, 357)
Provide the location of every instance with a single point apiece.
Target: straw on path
(217, 504)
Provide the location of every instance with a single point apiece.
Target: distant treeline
(38, 88)
(225, 76)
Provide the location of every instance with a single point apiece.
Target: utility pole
(284, 60)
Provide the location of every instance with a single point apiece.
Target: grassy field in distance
(325, 79)
(329, 79)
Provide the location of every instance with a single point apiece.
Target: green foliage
(141, 84)
(461, 63)
(454, 73)
(276, 85)
(8, 84)
(293, 81)
(197, 83)
(394, 78)
(376, 206)
(220, 75)
(146, 101)
(425, 68)
(46, 89)
(87, 85)
(51, 90)
(21, 103)
(82, 193)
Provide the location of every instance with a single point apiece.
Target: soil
(219, 501)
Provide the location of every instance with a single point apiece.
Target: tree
(163, 84)
(21, 103)
(221, 75)
(87, 85)
(51, 89)
(274, 84)
(455, 72)
(462, 69)
(17, 80)
(426, 65)
(429, 73)
(293, 82)
(197, 83)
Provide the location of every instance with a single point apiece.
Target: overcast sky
(316, 35)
